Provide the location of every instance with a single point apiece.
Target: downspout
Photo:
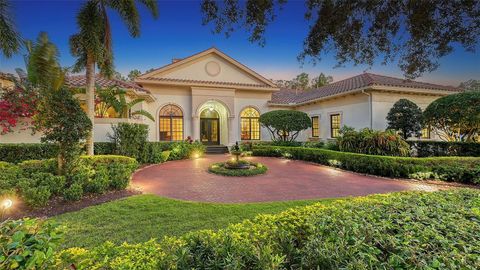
(370, 110)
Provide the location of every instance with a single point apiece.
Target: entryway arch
(213, 126)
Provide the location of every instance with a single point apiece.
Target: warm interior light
(211, 109)
(7, 203)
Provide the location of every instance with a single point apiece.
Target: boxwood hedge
(152, 152)
(457, 169)
(36, 180)
(410, 230)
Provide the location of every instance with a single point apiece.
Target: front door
(209, 131)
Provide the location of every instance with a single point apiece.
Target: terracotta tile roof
(80, 81)
(286, 96)
(207, 82)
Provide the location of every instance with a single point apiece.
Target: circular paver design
(284, 180)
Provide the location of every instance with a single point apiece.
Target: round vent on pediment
(212, 68)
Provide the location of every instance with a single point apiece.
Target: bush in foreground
(28, 244)
(457, 169)
(411, 230)
(35, 180)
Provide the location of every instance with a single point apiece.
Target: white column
(231, 130)
(196, 128)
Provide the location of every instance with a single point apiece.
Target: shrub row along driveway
(285, 180)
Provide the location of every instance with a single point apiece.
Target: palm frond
(135, 102)
(129, 14)
(10, 39)
(152, 6)
(144, 113)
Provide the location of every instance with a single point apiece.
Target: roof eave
(210, 85)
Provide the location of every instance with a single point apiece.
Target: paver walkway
(285, 180)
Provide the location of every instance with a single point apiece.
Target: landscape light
(196, 155)
(7, 203)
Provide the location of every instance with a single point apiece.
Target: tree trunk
(90, 102)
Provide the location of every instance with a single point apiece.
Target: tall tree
(133, 74)
(92, 45)
(417, 33)
(301, 81)
(321, 80)
(471, 85)
(406, 117)
(10, 40)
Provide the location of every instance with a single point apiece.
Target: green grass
(140, 218)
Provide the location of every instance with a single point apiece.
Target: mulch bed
(59, 206)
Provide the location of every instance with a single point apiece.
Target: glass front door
(209, 130)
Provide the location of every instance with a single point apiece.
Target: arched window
(250, 125)
(171, 123)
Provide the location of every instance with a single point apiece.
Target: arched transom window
(250, 125)
(171, 123)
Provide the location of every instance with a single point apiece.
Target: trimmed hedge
(457, 169)
(439, 149)
(35, 180)
(153, 152)
(18, 152)
(410, 230)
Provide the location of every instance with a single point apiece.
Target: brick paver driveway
(285, 180)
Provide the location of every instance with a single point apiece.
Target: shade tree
(406, 118)
(285, 125)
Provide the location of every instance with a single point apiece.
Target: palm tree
(10, 40)
(93, 43)
(115, 98)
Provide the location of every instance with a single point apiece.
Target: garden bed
(246, 168)
(58, 205)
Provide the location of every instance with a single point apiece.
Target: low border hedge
(411, 230)
(442, 149)
(152, 152)
(18, 152)
(457, 169)
(219, 168)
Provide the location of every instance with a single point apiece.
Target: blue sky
(178, 33)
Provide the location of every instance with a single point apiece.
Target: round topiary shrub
(243, 168)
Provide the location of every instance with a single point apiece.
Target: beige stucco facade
(212, 81)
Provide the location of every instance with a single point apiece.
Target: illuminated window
(250, 125)
(315, 129)
(425, 133)
(171, 123)
(335, 122)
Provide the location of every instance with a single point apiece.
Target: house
(213, 98)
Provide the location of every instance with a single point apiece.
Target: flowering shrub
(16, 103)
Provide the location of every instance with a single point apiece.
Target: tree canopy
(302, 81)
(406, 117)
(471, 85)
(285, 125)
(10, 39)
(416, 33)
(455, 117)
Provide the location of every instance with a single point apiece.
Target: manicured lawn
(139, 218)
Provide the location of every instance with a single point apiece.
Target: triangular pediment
(211, 66)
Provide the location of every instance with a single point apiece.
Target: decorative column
(196, 128)
(232, 130)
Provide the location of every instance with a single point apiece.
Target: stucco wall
(354, 111)
(382, 102)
